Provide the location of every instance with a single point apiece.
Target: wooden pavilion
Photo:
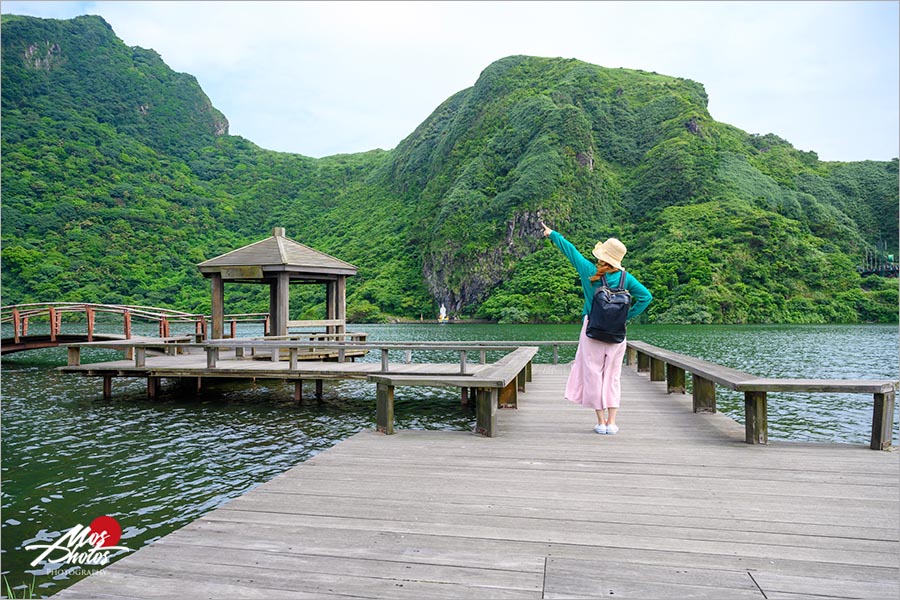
(278, 262)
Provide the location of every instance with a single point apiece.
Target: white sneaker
(600, 428)
(612, 429)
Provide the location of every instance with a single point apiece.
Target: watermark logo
(91, 545)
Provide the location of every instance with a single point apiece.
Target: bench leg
(522, 379)
(384, 409)
(509, 396)
(657, 369)
(527, 374)
(643, 362)
(704, 395)
(675, 379)
(630, 356)
(757, 418)
(486, 411)
(882, 421)
(73, 357)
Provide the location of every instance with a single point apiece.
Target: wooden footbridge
(81, 320)
(676, 505)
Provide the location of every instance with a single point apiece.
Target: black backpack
(609, 309)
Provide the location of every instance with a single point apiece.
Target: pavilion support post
(341, 304)
(279, 304)
(331, 302)
(218, 306)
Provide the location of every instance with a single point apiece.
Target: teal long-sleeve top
(640, 296)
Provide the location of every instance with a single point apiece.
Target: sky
(324, 78)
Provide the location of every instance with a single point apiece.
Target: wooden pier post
(318, 389)
(107, 387)
(298, 391)
(152, 387)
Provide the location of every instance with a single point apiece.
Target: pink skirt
(595, 379)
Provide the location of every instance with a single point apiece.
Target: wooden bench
(170, 345)
(670, 367)
(496, 386)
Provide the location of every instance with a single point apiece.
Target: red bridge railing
(19, 315)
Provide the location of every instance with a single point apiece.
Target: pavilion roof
(279, 253)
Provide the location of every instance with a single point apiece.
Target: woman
(595, 377)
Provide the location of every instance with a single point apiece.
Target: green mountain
(119, 176)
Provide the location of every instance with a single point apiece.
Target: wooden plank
(860, 386)
(315, 323)
(571, 578)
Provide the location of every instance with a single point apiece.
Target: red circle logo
(108, 525)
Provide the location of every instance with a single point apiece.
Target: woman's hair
(602, 269)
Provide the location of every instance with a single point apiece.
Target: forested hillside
(119, 176)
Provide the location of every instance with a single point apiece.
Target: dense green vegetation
(119, 176)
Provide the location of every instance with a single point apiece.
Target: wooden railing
(664, 365)
(21, 315)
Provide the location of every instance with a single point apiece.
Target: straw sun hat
(612, 251)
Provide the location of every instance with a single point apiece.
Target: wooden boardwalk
(674, 506)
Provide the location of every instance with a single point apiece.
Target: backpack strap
(622, 281)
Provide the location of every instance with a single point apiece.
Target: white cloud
(321, 78)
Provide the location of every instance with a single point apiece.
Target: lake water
(68, 456)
